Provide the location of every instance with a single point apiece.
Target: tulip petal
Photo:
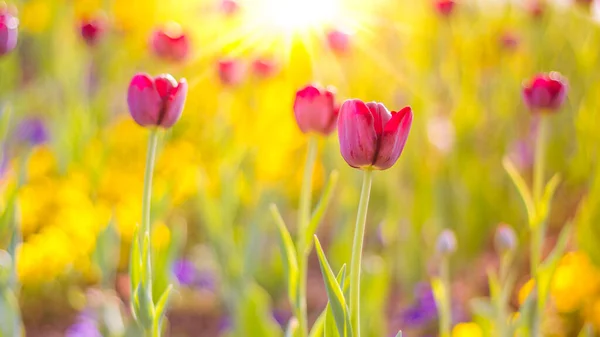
(174, 105)
(380, 114)
(143, 100)
(394, 137)
(356, 132)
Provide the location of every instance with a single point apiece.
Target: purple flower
(281, 316)
(85, 326)
(185, 272)
(424, 311)
(32, 131)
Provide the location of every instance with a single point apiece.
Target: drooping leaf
(335, 295)
(521, 187)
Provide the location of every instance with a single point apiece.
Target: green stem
(540, 160)
(357, 246)
(303, 249)
(147, 196)
(446, 312)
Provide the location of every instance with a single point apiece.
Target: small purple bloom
(84, 327)
(185, 272)
(424, 311)
(282, 316)
(32, 131)
(205, 280)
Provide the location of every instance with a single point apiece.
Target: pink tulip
(9, 25)
(545, 92)
(445, 7)
(170, 43)
(231, 71)
(314, 109)
(156, 101)
(370, 136)
(91, 29)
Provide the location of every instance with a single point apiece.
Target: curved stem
(357, 246)
(303, 220)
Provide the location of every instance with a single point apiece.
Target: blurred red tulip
(445, 7)
(545, 92)
(370, 136)
(9, 25)
(314, 109)
(536, 9)
(231, 72)
(339, 41)
(229, 7)
(264, 68)
(92, 29)
(156, 101)
(170, 42)
(509, 41)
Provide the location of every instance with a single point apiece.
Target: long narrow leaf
(319, 326)
(521, 187)
(335, 294)
(288, 252)
(319, 212)
(548, 267)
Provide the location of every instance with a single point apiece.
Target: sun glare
(294, 15)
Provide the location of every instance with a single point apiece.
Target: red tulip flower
(545, 92)
(231, 72)
(170, 43)
(314, 109)
(156, 101)
(339, 41)
(91, 29)
(9, 25)
(229, 7)
(370, 136)
(263, 68)
(445, 7)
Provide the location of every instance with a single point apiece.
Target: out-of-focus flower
(467, 330)
(170, 42)
(446, 242)
(576, 281)
(85, 326)
(185, 272)
(509, 41)
(536, 8)
(545, 92)
(35, 15)
(229, 7)
(505, 238)
(339, 41)
(264, 68)
(441, 133)
(370, 136)
(314, 109)
(282, 316)
(9, 33)
(525, 291)
(424, 311)
(156, 102)
(231, 71)
(445, 7)
(161, 235)
(32, 131)
(92, 29)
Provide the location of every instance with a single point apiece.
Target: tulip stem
(147, 196)
(357, 247)
(446, 312)
(303, 221)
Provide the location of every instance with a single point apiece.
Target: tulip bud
(446, 243)
(8, 31)
(231, 72)
(370, 136)
(536, 9)
(170, 43)
(445, 7)
(263, 68)
(339, 41)
(505, 239)
(229, 7)
(156, 101)
(314, 109)
(91, 29)
(509, 41)
(545, 92)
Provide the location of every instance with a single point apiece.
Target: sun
(293, 16)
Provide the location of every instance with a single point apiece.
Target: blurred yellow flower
(575, 281)
(467, 330)
(35, 15)
(525, 291)
(161, 235)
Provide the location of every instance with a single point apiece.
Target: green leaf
(135, 267)
(288, 252)
(146, 262)
(482, 307)
(399, 334)
(161, 306)
(318, 328)
(544, 205)
(335, 294)
(521, 187)
(320, 325)
(319, 212)
(546, 270)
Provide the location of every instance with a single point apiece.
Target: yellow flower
(467, 330)
(525, 291)
(35, 15)
(41, 163)
(574, 282)
(161, 235)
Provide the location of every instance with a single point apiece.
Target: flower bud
(91, 29)
(8, 31)
(445, 7)
(314, 109)
(263, 68)
(170, 42)
(370, 136)
(229, 7)
(545, 92)
(446, 243)
(231, 72)
(156, 101)
(505, 239)
(339, 41)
